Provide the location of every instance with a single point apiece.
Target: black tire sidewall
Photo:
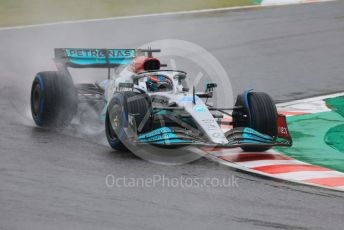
(58, 100)
(114, 141)
(262, 116)
(263, 113)
(121, 99)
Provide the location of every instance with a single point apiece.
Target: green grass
(24, 12)
(318, 138)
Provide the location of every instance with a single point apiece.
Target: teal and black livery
(165, 135)
(249, 136)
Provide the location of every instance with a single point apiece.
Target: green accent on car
(319, 138)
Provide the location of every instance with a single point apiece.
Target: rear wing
(94, 58)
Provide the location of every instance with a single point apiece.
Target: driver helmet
(158, 83)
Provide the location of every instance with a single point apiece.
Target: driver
(158, 83)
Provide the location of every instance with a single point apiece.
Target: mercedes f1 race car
(148, 105)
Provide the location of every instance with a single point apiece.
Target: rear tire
(121, 105)
(261, 116)
(53, 100)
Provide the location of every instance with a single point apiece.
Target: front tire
(260, 115)
(121, 105)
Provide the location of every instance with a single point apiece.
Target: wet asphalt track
(54, 181)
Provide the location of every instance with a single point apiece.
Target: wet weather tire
(53, 100)
(261, 116)
(117, 117)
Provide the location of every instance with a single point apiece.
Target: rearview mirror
(210, 87)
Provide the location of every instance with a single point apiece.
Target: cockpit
(161, 81)
(158, 83)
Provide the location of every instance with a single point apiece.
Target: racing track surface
(53, 181)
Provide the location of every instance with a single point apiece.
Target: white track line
(340, 187)
(236, 151)
(259, 163)
(304, 175)
(284, 2)
(312, 99)
(151, 15)
(309, 105)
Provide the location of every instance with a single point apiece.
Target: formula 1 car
(147, 105)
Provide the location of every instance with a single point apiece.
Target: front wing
(237, 137)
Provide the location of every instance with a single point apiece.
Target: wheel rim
(114, 121)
